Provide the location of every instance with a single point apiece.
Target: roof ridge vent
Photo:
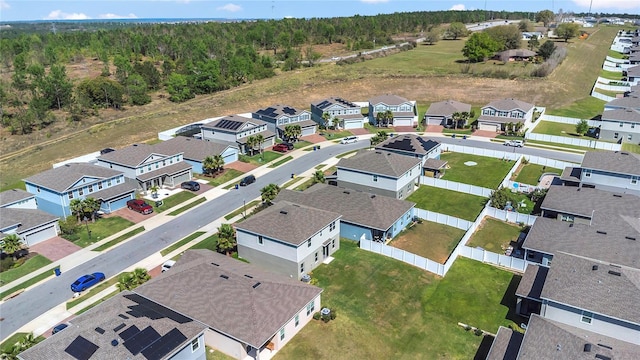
(283, 212)
(617, 195)
(630, 238)
(601, 232)
(226, 277)
(214, 264)
(605, 346)
(249, 276)
(255, 286)
(346, 192)
(615, 273)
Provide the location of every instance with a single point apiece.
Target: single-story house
(31, 225)
(528, 35)
(515, 55)
(347, 114)
(238, 129)
(495, 115)
(194, 151)
(289, 239)
(279, 116)
(404, 112)
(441, 113)
(412, 145)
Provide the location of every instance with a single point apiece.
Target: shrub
(478, 332)
(333, 314)
(317, 316)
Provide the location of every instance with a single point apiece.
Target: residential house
(628, 102)
(364, 215)
(54, 189)
(347, 114)
(380, 172)
(441, 113)
(249, 313)
(194, 151)
(632, 74)
(413, 146)
(634, 59)
(278, 117)
(516, 55)
(148, 166)
(404, 111)
(19, 215)
(528, 35)
(495, 115)
(238, 129)
(126, 326)
(617, 171)
(506, 345)
(289, 239)
(620, 125)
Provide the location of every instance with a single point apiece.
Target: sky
(18, 10)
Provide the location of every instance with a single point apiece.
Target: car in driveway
(168, 265)
(58, 328)
(190, 185)
(280, 148)
(514, 143)
(249, 179)
(86, 281)
(140, 206)
(349, 140)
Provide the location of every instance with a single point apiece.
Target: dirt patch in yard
(430, 240)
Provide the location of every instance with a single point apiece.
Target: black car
(21, 253)
(289, 145)
(249, 179)
(190, 185)
(58, 328)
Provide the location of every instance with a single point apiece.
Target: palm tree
(131, 280)
(208, 164)
(455, 117)
(388, 117)
(336, 122)
(379, 119)
(77, 208)
(91, 206)
(326, 116)
(251, 143)
(226, 238)
(269, 193)
(517, 127)
(11, 243)
(218, 162)
(318, 177)
(289, 132)
(260, 142)
(154, 190)
(297, 131)
(125, 282)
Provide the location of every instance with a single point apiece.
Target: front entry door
(325, 251)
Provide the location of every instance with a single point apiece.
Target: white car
(167, 265)
(335, 58)
(349, 140)
(514, 143)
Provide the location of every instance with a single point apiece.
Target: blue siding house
(55, 188)
(617, 171)
(196, 150)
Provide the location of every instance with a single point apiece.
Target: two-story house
(380, 172)
(632, 74)
(194, 151)
(289, 239)
(632, 101)
(364, 215)
(617, 171)
(19, 215)
(413, 146)
(279, 116)
(404, 111)
(441, 112)
(55, 188)
(342, 113)
(238, 129)
(148, 166)
(495, 115)
(620, 125)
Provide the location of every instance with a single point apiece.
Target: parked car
(168, 265)
(21, 253)
(58, 328)
(514, 143)
(86, 281)
(349, 140)
(190, 185)
(249, 179)
(289, 145)
(140, 206)
(280, 148)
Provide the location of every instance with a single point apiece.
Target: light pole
(244, 209)
(86, 223)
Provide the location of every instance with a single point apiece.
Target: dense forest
(183, 59)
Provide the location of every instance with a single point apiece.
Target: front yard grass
(557, 129)
(488, 172)
(430, 240)
(335, 134)
(176, 245)
(239, 211)
(387, 309)
(210, 243)
(220, 179)
(29, 266)
(172, 201)
(611, 75)
(119, 239)
(260, 158)
(494, 235)
(449, 202)
(100, 229)
(634, 148)
(9, 342)
(530, 173)
(281, 161)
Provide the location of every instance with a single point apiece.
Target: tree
(460, 119)
(479, 47)
(379, 137)
(432, 36)
(260, 142)
(567, 31)
(582, 127)
(11, 243)
(136, 89)
(226, 238)
(547, 49)
(154, 189)
(269, 193)
(77, 208)
(525, 25)
(91, 206)
(311, 55)
(131, 280)
(545, 17)
(218, 162)
(208, 164)
(325, 118)
(296, 131)
(288, 133)
(102, 92)
(455, 31)
(251, 144)
(178, 88)
(57, 88)
(318, 177)
(149, 73)
(508, 36)
(533, 42)
(500, 197)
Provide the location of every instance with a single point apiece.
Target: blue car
(86, 281)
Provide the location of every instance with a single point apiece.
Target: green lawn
(533, 143)
(530, 173)
(339, 156)
(557, 129)
(634, 148)
(216, 355)
(616, 55)
(300, 144)
(27, 283)
(176, 245)
(8, 343)
(611, 75)
(448, 202)
(119, 239)
(334, 134)
(172, 201)
(226, 176)
(27, 267)
(585, 108)
(281, 161)
(457, 132)
(489, 172)
(210, 243)
(100, 229)
(524, 199)
(239, 211)
(430, 240)
(107, 297)
(304, 185)
(188, 206)
(494, 235)
(390, 310)
(260, 158)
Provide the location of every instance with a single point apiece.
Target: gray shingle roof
(13, 195)
(234, 305)
(131, 156)
(62, 178)
(409, 144)
(303, 124)
(291, 223)
(447, 108)
(505, 345)
(27, 218)
(571, 173)
(626, 115)
(227, 123)
(137, 311)
(193, 149)
(632, 101)
(356, 207)
(167, 170)
(379, 162)
(388, 99)
(278, 110)
(434, 164)
(618, 162)
(548, 339)
(587, 201)
(127, 187)
(532, 281)
(509, 104)
(633, 71)
(610, 290)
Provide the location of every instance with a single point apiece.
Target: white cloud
(4, 5)
(116, 16)
(60, 15)
(607, 4)
(374, 1)
(230, 8)
(458, 7)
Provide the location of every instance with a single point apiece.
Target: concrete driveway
(55, 248)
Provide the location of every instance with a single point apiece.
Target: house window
(333, 243)
(616, 135)
(90, 188)
(297, 320)
(282, 334)
(310, 307)
(568, 218)
(316, 256)
(70, 194)
(587, 317)
(81, 191)
(38, 188)
(309, 243)
(634, 180)
(621, 124)
(195, 344)
(157, 165)
(260, 240)
(332, 226)
(118, 181)
(100, 185)
(149, 167)
(629, 137)
(111, 166)
(302, 270)
(587, 173)
(633, 126)
(375, 178)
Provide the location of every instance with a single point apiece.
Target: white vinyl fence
(507, 178)
(622, 84)
(404, 256)
(498, 154)
(493, 258)
(616, 88)
(594, 144)
(443, 219)
(600, 96)
(509, 216)
(614, 60)
(455, 186)
(558, 164)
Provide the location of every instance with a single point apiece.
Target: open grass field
(390, 310)
(420, 74)
(430, 240)
(488, 172)
(494, 235)
(448, 202)
(99, 229)
(530, 173)
(557, 129)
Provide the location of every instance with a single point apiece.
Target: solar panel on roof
(99, 330)
(141, 340)
(164, 345)
(119, 327)
(288, 110)
(129, 332)
(81, 348)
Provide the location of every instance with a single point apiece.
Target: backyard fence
(558, 164)
(404, 256)
(498, 154)
(614, 60)
(508, 216)
(520, 187)
(609, 66)
(455, 186)
(616, 88)
(485, 256)
(443, 219)
(507, 178)
(625, 85)
(594, 144)
(600, 96)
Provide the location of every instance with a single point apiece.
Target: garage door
(402, 122)
(488, 127)
(434, 121)
(309, 131)
(229, 158)
(42, 234)
(177, 179)
(352, 124)
(118, 204)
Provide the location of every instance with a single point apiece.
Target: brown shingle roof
(509, 104)
(288, 222)
(618, 162)
(379, 162)
(193, 149)
(447, 108)
(13, 195)
(409, 144)
(506, 344)
(388, 99)
(250, 309)
(62, 178)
